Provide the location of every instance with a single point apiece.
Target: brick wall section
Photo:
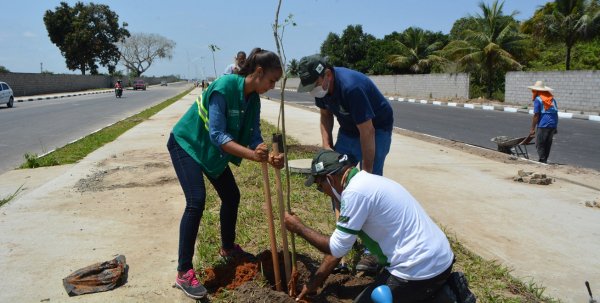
(29, 84)
(574, 90)
(430, 86)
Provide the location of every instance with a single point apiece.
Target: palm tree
(567, 22)
(491, 48)
(416, 54)
(213, 48)
(293, 68)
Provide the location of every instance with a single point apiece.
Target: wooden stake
(269, 211)
(284, 240)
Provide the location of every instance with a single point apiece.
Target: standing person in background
(545, 119)
(222, 126)
(365, 116)
(234, 68)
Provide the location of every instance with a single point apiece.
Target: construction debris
(595, 204)
(532, 178)
(97, 277)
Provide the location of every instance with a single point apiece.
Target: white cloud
(29, 34)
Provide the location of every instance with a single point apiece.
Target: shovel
(269, 211)
(587, 285)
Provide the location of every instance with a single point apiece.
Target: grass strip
(77, 150)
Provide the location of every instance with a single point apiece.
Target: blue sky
(232, 25)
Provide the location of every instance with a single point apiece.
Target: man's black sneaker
(368, 263)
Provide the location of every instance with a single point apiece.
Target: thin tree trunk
(568, 58)
(490, 78)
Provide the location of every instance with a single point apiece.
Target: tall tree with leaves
(489, 50)
(213, 48)
(349, 50)
(415, 53)
(292, 68)
(330, 48)
(86, 34)
(566, 21)
(139, 51)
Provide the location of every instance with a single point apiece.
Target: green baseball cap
(310, 69)
(326, 162)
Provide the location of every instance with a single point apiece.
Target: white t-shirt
(393, 225)
(230, 68)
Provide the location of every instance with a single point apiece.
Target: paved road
(41, 126)
(575, 144)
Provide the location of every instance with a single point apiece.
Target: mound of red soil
(241, 276)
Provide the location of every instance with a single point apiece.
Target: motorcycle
(118, 92)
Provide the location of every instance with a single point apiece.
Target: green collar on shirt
(351, 174)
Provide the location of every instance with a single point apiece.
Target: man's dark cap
(310, 69)
(327, 162)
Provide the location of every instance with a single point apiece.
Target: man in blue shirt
(365, 116)
(545, 119)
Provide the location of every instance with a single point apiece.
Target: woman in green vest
(222, 126)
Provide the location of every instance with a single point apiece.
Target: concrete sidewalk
(124, 198)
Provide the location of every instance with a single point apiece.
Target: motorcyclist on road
(118, 88)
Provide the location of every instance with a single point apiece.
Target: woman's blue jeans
(191, 178)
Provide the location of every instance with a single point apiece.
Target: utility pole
(41, 67)
(188, 65)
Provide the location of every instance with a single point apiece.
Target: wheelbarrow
(513, 146)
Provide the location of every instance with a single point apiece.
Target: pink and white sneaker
(190, 285)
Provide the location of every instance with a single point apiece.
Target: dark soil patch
(252, 280)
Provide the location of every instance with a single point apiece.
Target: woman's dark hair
(259, 57)
(243, 53)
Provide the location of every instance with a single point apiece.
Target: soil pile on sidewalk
(249, 280)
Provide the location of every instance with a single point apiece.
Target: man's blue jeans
(351, 145)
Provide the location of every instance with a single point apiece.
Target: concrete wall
(26, 84)
(574, 90)
(433, 86)
(29, 84)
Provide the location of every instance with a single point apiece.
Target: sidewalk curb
(505, 108)
(58, 96)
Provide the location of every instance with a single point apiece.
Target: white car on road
(6, 95)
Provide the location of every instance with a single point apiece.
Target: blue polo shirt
(356, 99)
(548, 117)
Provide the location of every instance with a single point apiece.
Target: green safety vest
(192, 130)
